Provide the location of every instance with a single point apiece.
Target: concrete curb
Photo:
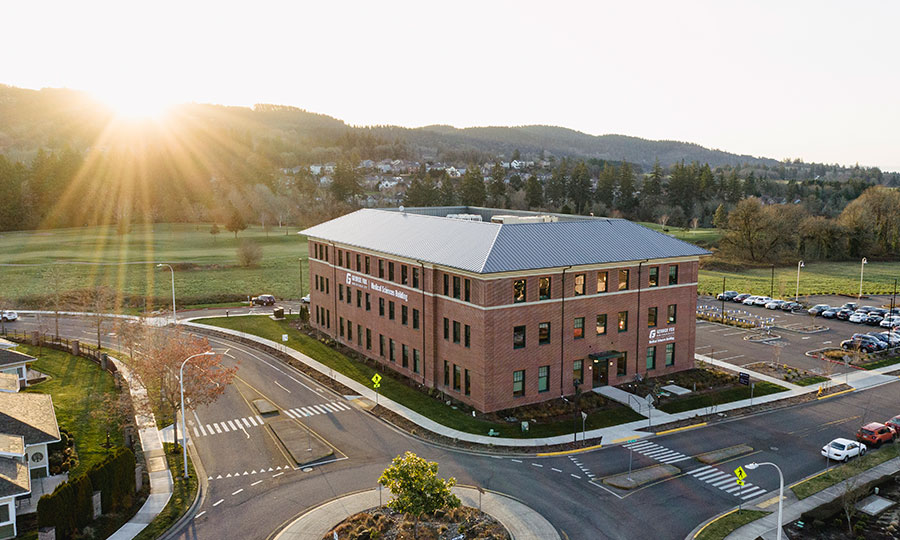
(522, 522)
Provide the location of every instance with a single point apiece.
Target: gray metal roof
(484, 247)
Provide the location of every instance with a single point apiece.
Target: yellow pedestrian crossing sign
(376, 380)
(741, 475)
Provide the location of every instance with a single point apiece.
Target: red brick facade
(478, 348)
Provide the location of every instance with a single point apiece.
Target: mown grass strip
(811, 380)
(719, 397)
(817, 483)
(399, 391)
(728, 523)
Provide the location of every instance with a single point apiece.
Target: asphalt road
(567, 490)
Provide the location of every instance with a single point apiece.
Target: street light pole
(772, 283)
(797, 293)
(183, 427)
(753, 466)
(174, 314)
(862, 267)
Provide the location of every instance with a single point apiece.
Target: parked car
(741, 297)
(775, 304)
(9, 316)
(852, 306)
(890, 322)
(894, 423)
(818, 309)
(305, 299)
(843, 449)
(762, 300)
(858, 317)
(750, 300)
(727, 295)
(876, 434)
(844, 314)
(892, 337)
(879, 341)
(791, 306)
(830, 313)
(865, 345)
(263, 300)
(873, 319)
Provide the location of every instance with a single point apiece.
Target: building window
(446, 373)
(579, 284)
(349, 330)
(446, 328)
(367, 265)
(341, 325)
(381, 268)
(415, 319)
(381, 307)
(358, 262)
(468, 335)
(651, 317)
(651, 357)
(602, 281)
(468, 290)
(390, 271)
(415, 278)
(622, 366)
(456, 287)
(519, 337)
(544, 288)
(578, 372)
(671, 318)
(404, 274)
(368, 339)
(601, 324)
(349, 295)
(358, 298)
(415, 360)
(391, 310)
(654, 277)
(340, 292)
(623, 279)
(670, 354)
(579, 328)
(518, 291)
(327, 286)
(673, 275)
(359, 335)
(391, 347)
(623, 321)
(457, 372)
(446, 285)
(543, 378)
(328, 318)
(404, 315)
(456, 331)
(368, 303)
(381, 344)
(519, 383)
(468, 383)
(326, 253)
(340, 258)
(543, 333)
(404, 355)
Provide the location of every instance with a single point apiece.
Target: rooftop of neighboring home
(9, 382)
(9, 357)
(30, 416)
(14, 477)
(489, 240)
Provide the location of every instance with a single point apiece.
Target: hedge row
(70, 507)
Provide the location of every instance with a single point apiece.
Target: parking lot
(788, 343)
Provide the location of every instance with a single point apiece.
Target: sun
(136, 104)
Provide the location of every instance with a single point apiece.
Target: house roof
(426, 234)
(10, 357)
(11, 445)
(9, 382)
(14, 477)
(29, 415)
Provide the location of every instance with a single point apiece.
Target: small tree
(235, 222)
(416, 487)
(214, 231)
(249, 253)
(99, 302)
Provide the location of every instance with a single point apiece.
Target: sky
(817, 80)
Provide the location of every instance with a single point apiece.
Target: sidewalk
(793, 508)
(522, 522)
(151, 442)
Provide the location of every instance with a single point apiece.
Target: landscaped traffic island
(384, 523)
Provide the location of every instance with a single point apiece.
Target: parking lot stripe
(735, 333)
(731, 358)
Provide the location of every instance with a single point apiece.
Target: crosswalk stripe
(202, 431)
(703, 468)
(258, 417)
(723, 482)
(735, 487)
(678, 459)
(331, 407)
(289, 413)
(252, 421)
(343, 406)
(308, 412)
(210, 429)
(708, 474)
(299, 413)
(246, 423)
(231, 425)
(716, 477)
(322, 409)
(644, 445)
(196, 433)
(217, 427)
(666, 455)
(656, 452)
(754, 493)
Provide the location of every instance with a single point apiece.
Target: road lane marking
(516, 460)
(282, 387)
(277, 475)
(575, 476)
(538, 465)
(254, 483)
(555, 469)
(731, 358)
(217, 503)
(200, 514)
(238, 491)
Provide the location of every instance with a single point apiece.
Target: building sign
(662, 335)
(364, 283)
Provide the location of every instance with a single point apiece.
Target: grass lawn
(840, 473)
(815, 278)
(217, 271)
(700, 236)
(882, 363)
(78, 386)
(722, 527)
(398, 391)
(811, 380)
(183, 493)
(720, 396)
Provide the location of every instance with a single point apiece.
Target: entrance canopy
(605, 355)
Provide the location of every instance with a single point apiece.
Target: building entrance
(600, 363)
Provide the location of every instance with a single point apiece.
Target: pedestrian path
(581, 466)
(726, 482)
(312, 410)
(656, 452)
(238, 424)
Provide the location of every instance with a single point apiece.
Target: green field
(700, 236)
(815, 278)
(208, 271)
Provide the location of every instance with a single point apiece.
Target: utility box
(278, 314)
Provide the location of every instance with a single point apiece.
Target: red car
(876, 434)
(894, 423)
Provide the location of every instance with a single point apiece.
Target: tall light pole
(174, 314)
(753, 466)
(862, 267)
(797, 293)
(183, 427)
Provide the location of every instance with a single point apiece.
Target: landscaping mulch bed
(385, 524)
(781, 371)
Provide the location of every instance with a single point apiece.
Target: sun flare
(137, 104)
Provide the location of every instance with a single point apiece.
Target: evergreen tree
(448, 195)
(471, 188)
(580, 187)
(606, 185)
(345, 183)
(497, 188)
(626, 188)
(421, 192)
(534, 192)
(557, 185)
(720, 220)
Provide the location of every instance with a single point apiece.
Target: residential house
(14, 481)
(14, 362)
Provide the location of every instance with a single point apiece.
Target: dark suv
(263, 300)
(727, 295)
(866, 345)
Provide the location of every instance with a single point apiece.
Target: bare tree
(54, 278)
(98, 301)
(850, 495)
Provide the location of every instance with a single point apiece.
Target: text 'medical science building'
(501, 308)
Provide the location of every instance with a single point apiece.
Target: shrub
(249, 253)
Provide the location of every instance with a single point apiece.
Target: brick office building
(505, 313)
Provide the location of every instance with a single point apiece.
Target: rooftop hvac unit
(512, 220)
(465, 217)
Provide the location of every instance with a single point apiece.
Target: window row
(365, 299)
(651, 356)
(543, 377)
(403, 274)
(322, 284)
(462, 381)
(579, 285)
(387, 347)
(457, 327)
(461, 289)
(579, 322)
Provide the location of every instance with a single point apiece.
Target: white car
(762, 300)
(843, 449)
(775, 304)
(8, 316)
(890, 322)
(750, 300)
(305, 299)
(859, 317)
